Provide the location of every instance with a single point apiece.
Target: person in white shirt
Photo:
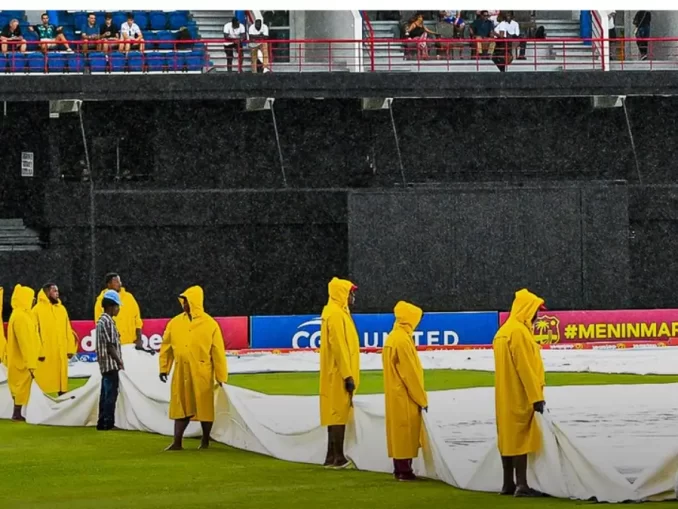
(612, 34)
(258, 45)
(130, 31)
(234, 31)
(510, 27)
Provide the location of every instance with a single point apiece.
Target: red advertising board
(628, 325)
(233, 328)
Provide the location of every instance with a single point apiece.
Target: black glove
(539, 406)
(349, 385)
(163, 377)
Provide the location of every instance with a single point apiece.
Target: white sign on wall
(27, 164)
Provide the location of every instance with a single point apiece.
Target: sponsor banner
(561, 327)
(233, 328)
(303, 331)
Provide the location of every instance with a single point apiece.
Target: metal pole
(397, 143)
(277, 140)
(92, 211)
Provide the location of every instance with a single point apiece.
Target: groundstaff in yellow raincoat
(519, 391)
(23, 348)
(193, 343)
(339, 368)
(128, 321)
(57, 339)
(404, 392)
(3, 340)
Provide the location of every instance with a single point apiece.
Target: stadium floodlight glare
(64, 106)
(376, 103)
(258, 103)
(607, 101)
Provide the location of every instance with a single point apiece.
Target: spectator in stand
(49, 35)
(612, 33)
(234, 31)
(12, 33)
(258, 36)
(418, 31)
(450, 25)
(642, 21)
(512, 29)
(130, 31)
(183, 35)
(502, 55)
(90, 32)
(482, 29)
(109, 34)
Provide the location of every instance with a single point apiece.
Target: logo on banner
(546, 330)
(312, 337)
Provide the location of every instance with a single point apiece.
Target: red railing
(327, 55)
(370, 37)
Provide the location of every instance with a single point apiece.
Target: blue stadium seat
(4, 20)
(79, 20)
(158, 21)
(97, 62)
(31, 40)
(117, 61)
(135, 61)
(177, 20)
(119, 18)
(14, 14)
(193, 30)
(194, 60)
(141, 19)
(56, 62)
(176, 62)
(156, 61)
(35, 62)
(101, 17)
(76, 62)
(166, 36)
(16, 62)
(4, 63)
(150, 38)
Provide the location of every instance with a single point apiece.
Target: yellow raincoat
(519, 378)
(23, 345)
(339, 355)
(58, 341)
(196, 349)
(403, 385)
(3, 340)
(128, 319)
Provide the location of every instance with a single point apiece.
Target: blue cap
(113, 295)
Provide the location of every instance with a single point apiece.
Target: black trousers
(110, 382)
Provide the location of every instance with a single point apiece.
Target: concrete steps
(14, 236)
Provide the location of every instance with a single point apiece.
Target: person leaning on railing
(12, 33)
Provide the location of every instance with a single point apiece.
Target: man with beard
(57, 339)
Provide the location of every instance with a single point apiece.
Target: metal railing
(332, 55)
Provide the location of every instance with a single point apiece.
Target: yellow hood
(407, 316)
(22, 298)
(338, 290)
(196, 298)
(525, 306)
(44, 299)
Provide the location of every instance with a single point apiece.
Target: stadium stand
(163, 52)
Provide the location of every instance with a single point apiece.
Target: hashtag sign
(571, 331)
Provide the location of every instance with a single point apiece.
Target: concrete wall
(664, 24)
(345, 25)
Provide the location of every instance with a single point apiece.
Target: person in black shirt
(483, 28)
(642, 21)
(12, 33)
(109, 33)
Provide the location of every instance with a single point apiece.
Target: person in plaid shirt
(109, 355)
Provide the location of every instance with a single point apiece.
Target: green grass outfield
(78, 468)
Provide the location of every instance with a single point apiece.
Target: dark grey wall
(471, 248)
(207, 205)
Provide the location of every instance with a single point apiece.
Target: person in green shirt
(48, 33)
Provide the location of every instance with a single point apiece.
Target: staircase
(571, 52)
(14, 236)
(211, 26)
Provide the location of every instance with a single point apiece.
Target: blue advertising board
(303, 331)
